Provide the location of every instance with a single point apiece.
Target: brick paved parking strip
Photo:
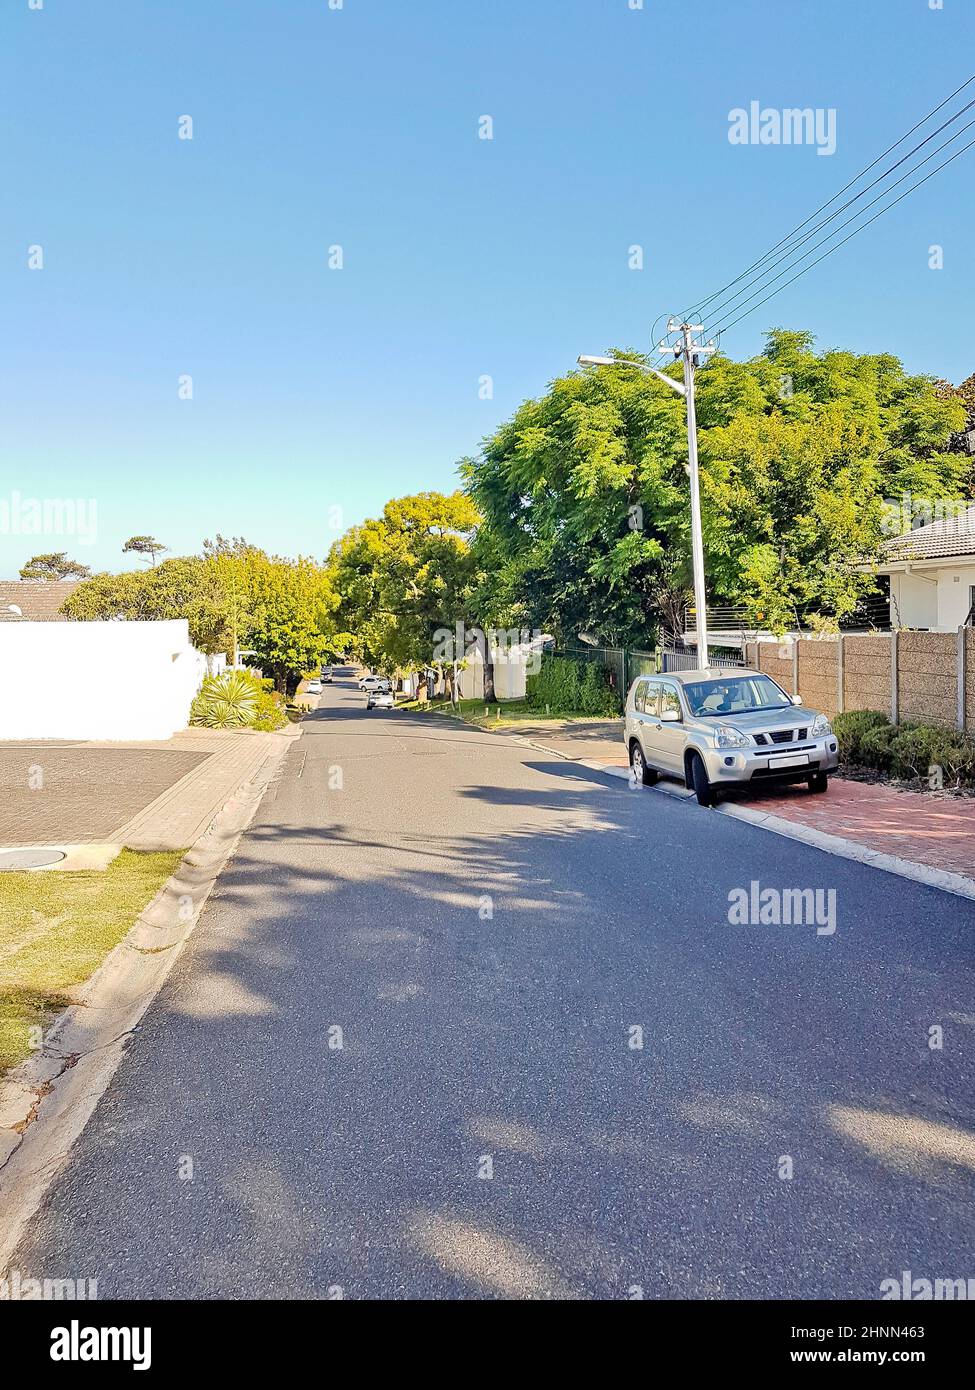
(935, 830)
(76, 794)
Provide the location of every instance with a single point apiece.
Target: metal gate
(671, 659)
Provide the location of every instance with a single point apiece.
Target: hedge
(569, 686)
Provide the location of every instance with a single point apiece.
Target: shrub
(851, 727)
(917, 749)
(875, 750)
(269, 713)
(868, 739)
(226, 702)
(596, 696)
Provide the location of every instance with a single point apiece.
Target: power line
(731, 304)
(699, 305)
(722, 308)
(852, 234)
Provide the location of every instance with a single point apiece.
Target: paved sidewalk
(181, 814)
(601, 739)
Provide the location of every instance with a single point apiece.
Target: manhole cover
(29, 858)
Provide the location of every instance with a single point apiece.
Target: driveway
(466, 1020)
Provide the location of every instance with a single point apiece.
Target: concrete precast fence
(924, 676)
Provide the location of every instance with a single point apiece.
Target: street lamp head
(585, 360)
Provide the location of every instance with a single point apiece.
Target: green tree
(404, 575)
(229, 563)
(232, 596)
(966, 392)
(584, 491)
(291, 617)
(144, 546)
(182, 587)
(54, 565)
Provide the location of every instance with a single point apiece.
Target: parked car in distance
(313, 688)
(725, 727)
(326, 676)
(374, 683)
(380, 699)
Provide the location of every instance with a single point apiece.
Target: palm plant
(226, 702)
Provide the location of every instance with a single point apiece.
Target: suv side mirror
(670, 716)
(797, 699)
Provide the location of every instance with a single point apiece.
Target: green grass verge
(56, 928)
(498, 713)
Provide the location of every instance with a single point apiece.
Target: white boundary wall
(510, 674)
(117, 680)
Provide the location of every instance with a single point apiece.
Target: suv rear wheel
(646, 775)
(699, 781)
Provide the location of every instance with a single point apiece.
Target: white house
(932, 574)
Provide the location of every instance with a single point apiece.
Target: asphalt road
(487, 925)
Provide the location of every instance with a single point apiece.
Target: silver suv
(725, 728)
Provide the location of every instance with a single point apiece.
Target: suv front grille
(782, 736)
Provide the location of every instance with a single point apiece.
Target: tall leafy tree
(405, 574)
(233, 597)
(291, 617)
(182, 587)
(585, 490)
(144, 547)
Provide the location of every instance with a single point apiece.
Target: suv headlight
(821, 726)
(726, 737)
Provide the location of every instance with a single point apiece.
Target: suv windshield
(735, 695)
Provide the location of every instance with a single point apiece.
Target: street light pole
(691, 352)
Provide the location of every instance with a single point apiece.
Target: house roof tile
(948, 537)
(38, 600)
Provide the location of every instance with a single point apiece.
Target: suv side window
(652, 703)
(640, 697)
(670, 701)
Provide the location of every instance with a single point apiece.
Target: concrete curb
(194, 804)
(47, 1100)
(959, 884)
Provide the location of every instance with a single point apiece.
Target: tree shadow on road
(530, 1057)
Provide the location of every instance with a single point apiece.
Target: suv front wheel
(698, 779)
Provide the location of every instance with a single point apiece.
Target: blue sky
(318, 393)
